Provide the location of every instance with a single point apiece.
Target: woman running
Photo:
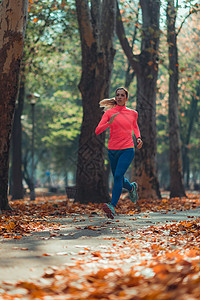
(122, 121)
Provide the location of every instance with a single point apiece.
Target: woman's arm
(103, 124)
(137, 132)
(135, 126)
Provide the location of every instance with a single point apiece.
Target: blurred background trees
(48, 71)
(52, 69)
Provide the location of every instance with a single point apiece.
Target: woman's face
(120, 97)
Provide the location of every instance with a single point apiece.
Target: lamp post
(33, 98)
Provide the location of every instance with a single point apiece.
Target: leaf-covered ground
(28, 216)
(156, 262)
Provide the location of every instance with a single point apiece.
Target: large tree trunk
(145, 160)
(13, 17)
(185, 148)
(17, 186)
(146, 68)
(176, 177)
(96, 25)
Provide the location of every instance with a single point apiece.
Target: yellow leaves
(11, 226)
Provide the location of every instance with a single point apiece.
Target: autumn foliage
(155, 262)
(28, 216)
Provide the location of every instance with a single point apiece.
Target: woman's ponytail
(108, 103)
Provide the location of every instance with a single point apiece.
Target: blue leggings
(120, 160)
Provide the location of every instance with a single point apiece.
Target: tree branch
(182, 23)
(108, 21)
(84, 20)
(133, 59)
(130, 76)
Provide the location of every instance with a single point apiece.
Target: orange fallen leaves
(155, 263)
(28, 216)
(162, 280)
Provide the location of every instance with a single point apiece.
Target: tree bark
(176, 176)
(13, 17)
(96, 26)
(17, 176)
(146, 69)
(130, 74)
(185, 148)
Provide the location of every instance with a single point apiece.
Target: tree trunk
(13, 17)
(145, 159)
(176, 176)
(185, 148)
(17, 186)
(130, 74)
(146, 68)
(96, 26)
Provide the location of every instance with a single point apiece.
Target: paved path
(27, 258)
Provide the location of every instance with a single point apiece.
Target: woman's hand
(139, 143)
(112, 118)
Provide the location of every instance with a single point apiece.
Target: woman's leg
(120, 167)
(113, 156)
(126, 184)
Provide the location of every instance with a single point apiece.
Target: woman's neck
(121, 106)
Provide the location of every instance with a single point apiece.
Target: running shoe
(133, 194)
(109, 210)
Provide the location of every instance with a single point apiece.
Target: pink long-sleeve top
(121, 129)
